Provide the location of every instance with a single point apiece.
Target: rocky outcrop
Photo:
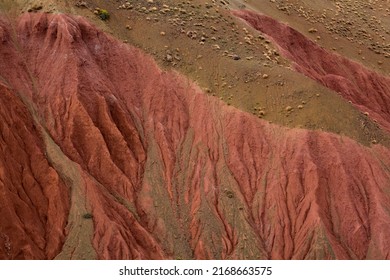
(131, 162)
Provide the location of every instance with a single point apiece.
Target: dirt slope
(138, 163)
(368, 90)
(228, 58)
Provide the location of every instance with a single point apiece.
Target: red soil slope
(90, 125)
(33, 199)
(368, 90)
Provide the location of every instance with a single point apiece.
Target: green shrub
(102, 14)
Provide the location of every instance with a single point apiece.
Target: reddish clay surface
(165, 170)
(368, 90)
(33, 199)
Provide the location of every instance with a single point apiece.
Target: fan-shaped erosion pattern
(368, 90)
(104, 155)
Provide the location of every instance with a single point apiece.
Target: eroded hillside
(104, 155)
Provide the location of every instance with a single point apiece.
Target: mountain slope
(368, 90)
(138, 163)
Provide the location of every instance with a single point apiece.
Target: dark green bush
(87, 216)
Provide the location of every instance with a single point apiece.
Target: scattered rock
(229, 194)
(81, 4)
(169, 58)
(192, 34)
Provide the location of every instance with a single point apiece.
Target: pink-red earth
(366, 89)
(103, 155)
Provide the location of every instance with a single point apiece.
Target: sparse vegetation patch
(102, 14)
